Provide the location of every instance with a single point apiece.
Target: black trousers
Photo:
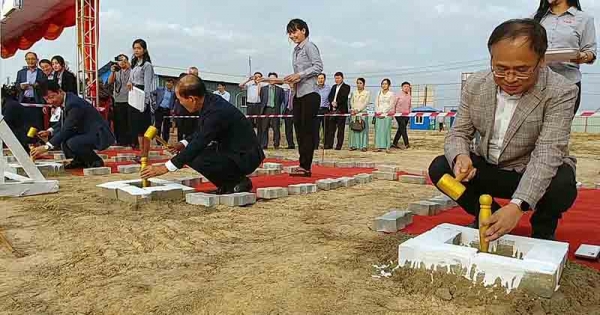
(334, 124)
(34, 117)
(289, 130)
(163, 124)
(578, 101)
(81, 148)
(265, 124)
(305, 114)
(498, 183)
(401, 132)
(320, 125)
(253, 109)
(217, 167)
(121, 121)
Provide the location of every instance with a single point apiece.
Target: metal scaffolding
(87, 20)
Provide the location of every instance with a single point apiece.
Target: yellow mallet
(152, 133)
(485, 212)
(452, 186)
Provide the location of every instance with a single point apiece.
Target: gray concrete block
(272, 166)
(46, 168)
(123, 158)
(132, 194)
(388, 168)
(267, 172)
(385, 175)
(290, 169)
(96, 171)
(347, 181)
(202, 199)
(237, 199)
(415, 171)
(129, 169)
(447, 199)
(345, 164)
(191, 181)
(59, 156)
(271, 193)
(363, 178)
(327, 163)
(165, 193)
(392, 221)
(365, 164)
(131, 155)
(116, 147)
(109, 192)
(325, 184)
(597, 185)
(302, 189)
(154, 154)
(424, 208)
(413, 179)
(445, 203)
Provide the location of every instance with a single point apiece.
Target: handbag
(357, 124)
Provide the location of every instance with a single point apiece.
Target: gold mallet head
(151, 132)
(451, 186)
(32, 133)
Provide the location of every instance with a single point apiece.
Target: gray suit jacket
(537, 140)
(264, 98)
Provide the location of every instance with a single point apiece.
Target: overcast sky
(373, 38)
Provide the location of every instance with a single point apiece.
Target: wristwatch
(523, 205)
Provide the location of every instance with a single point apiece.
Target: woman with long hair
(359, 139)
(66, 80)
(568, 27)
(384, 104)
(141, 77)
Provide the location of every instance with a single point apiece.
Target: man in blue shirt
(324, 91)
(165, 102)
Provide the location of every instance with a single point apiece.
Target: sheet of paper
(137, 99)
(558, 55)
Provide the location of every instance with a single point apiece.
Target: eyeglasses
(519, 75)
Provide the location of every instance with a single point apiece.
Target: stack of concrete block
(290, 169)
(129, 169)
(393, 176)
(393, 221)
(302, 189)
(388, 168)
(345, 164)
(131, 191)
(272, 166)
(413, 179)
(365, 164)
(363, 178)
(271, 192)
(266, 172)
(444, 201)
(59, 156)
(237, 199)
(347, 181)
(424, 208)
(96, 171)
(46, 168)
(327, 184)
(514, 262)
(202, 199)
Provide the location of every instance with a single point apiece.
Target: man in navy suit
(224, 147)
(29, 80)
(164, 104)
(271, 100)
(80, 131)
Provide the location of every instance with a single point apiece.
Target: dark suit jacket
(40, 78)
(14, 116)
(342, 98)
(224, 124)
(158, 96)
(69, 82)
(264, 98)
(80, 117)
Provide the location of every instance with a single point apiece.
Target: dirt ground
(83, 254)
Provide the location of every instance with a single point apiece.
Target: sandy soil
(300, 255)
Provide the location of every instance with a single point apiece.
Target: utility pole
(249, 66)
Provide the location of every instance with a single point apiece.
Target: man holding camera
(119, 75)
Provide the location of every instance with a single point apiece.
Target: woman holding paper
(568, 27)
(141, 77)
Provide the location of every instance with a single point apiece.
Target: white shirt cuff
(50, 130)
(49, 145)
(170, 166)
(184, 142)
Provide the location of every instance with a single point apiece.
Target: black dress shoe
(245, 185)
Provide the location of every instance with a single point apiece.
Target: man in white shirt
(222, 93)
(252, 86)
(523, 112)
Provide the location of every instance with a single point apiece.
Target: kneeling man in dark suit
(224, 148)
(79, 132)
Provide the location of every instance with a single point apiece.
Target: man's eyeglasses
(519, 75)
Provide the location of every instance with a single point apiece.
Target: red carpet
(578, 226)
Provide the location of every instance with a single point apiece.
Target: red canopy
(38, 19)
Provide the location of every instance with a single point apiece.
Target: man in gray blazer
(272, 99)
(523, 112)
